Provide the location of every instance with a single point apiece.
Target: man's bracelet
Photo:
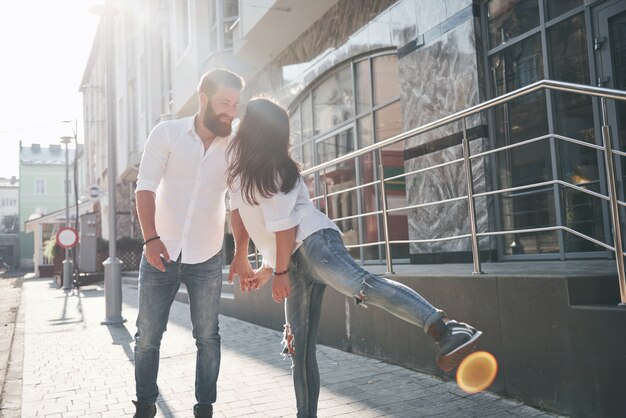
(280, 273)
(150, 239)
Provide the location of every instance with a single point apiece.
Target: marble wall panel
(431, 13)
(447, 219)
(438, 80)
(402, 22)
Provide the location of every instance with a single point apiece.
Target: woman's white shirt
(278, 213)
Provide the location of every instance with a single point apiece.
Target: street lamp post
(112, 265)
(67, 263)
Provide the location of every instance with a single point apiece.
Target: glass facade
(354, 105)
(529, 41)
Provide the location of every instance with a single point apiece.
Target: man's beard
(212, 122)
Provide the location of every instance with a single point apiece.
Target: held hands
(241, 267)
(260, 277)
(153, 251)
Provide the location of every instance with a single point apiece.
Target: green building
(42, 176)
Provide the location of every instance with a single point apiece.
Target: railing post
(610, 174)
(383, 201)
(325, 189)
(470, 201)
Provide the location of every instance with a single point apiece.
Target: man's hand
(153, 251)
(281, 288)
(260, 277)
(241, 267)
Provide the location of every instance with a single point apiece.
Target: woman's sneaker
(456, 340)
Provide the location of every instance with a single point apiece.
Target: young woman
(303, 252)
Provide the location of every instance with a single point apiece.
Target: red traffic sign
(67, 237)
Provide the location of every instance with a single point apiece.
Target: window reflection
(568, 60)
(386, 78)
(510, 18)
(574, 118)
(515, 121)
(517, 66)
(556, 8)
(618, 54)
(363, 86)
(333, 101)
(369, 195)
(306, 118)
(295, 128)
(340, 177)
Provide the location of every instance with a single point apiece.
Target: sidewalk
(75, 367)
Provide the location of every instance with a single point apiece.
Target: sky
(44, 47)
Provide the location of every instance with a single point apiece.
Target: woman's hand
(260, 277)
(281, 288)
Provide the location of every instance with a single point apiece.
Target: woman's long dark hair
(260, 152)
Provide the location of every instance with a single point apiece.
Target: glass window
(618, 53)
(306, 117)
(354, 89)
(333, 101)
(231, 14)
(231, 9)
(335, 146)
(223, 15)
(515, 121)
(307, 154)
(530, 209)
(337, 178)
(40, 186)
(568, 62)
(510, 18)
(574, 118)
(386, 78)
(388, 122)
(517, 66)
(363, 86)
(182, 18)
(556, 8)
(295, 127)
(212, 26)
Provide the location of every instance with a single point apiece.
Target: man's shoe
(144, 410)
(455, 343)
(203, 411)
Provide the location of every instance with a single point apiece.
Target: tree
(11, 224)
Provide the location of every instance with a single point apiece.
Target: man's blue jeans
(157, 291)
(323, 260)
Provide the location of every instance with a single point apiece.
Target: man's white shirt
(190, 186)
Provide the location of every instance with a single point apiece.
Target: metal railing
(473, 235)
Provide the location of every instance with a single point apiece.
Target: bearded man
(181, 207)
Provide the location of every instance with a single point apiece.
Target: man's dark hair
(212, 80)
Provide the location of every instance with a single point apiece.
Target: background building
(355, 72)
(42, 192)
(9, 221)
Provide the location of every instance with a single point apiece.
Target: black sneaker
(458, 341)
(203, 411)
(144, 410)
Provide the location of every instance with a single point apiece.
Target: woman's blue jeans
(323, 260)
(157, 291)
